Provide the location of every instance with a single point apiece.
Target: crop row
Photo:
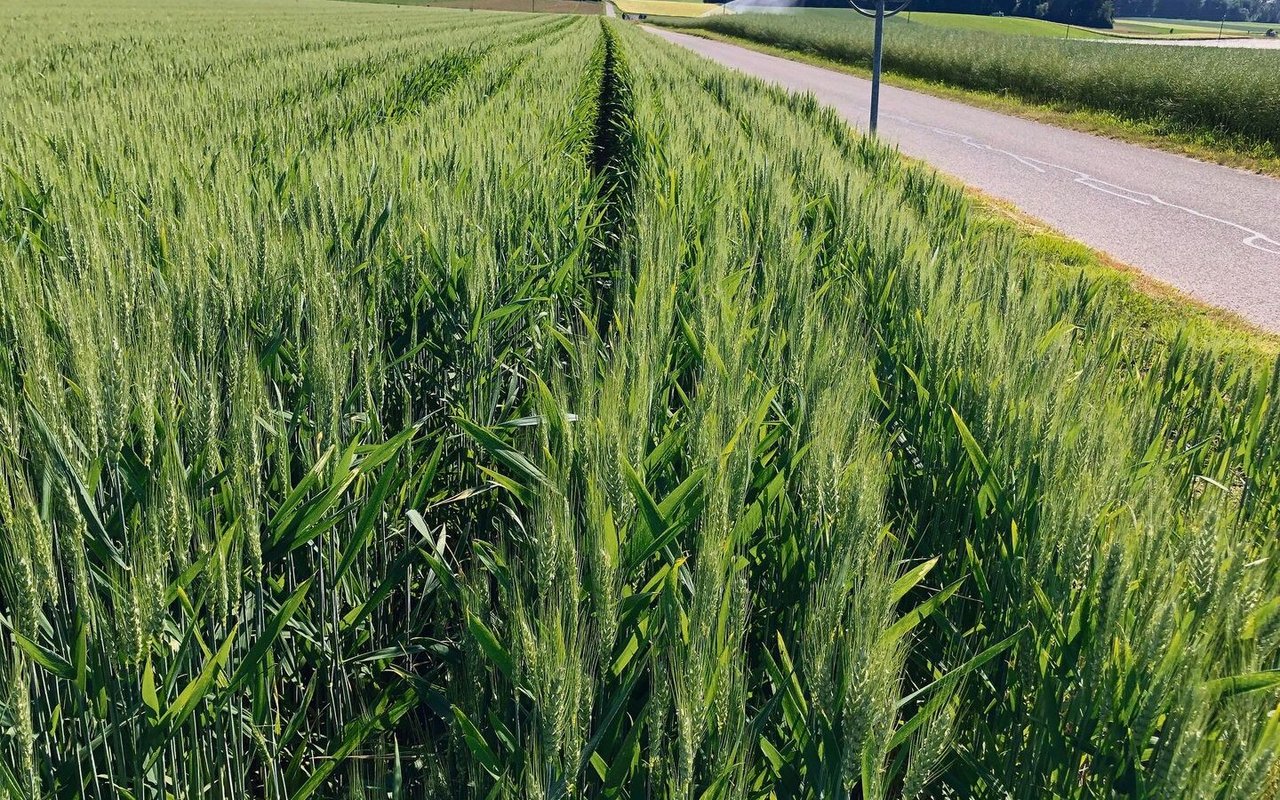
(234, 324)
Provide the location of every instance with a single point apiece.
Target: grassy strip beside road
(1219, 105)
(1145, 306)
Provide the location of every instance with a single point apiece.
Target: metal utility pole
(879, 15)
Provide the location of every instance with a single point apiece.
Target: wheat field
(405, 402)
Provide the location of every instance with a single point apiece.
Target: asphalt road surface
(1211, 231)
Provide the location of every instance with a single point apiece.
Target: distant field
(668, 8)
(1009, 26)
(1013, 26)
(1027, 26)
(1198, 25)
(1186, 29)
(1150, 27)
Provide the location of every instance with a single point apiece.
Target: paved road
(1211, 231)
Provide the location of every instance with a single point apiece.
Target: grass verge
(1157, 310)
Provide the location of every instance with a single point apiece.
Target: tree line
(1236, 10)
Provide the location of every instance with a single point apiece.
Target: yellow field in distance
(668, 8)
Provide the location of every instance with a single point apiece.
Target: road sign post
(878, 14)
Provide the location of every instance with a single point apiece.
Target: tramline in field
(426, 403)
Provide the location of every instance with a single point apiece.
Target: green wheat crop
(418, 403)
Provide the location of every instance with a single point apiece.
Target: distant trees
(1094, 13)
(1238, 10)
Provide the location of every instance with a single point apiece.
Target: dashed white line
(1254, 239)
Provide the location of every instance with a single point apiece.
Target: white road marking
(1255, 239)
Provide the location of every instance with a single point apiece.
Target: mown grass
(1215, 97)
(1008, 26)
(1199, 26)
(429, 405)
